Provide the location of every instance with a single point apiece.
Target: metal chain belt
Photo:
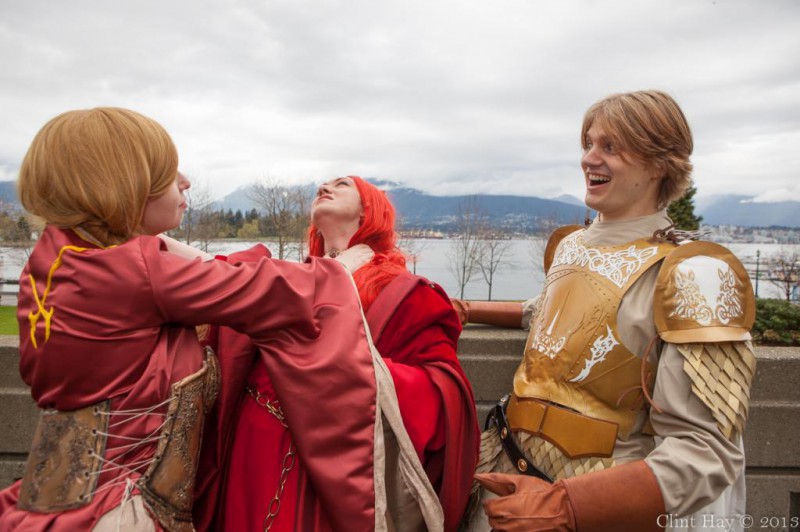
(275, 503)
(274, 408)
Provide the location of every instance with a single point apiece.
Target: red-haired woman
(414, 328)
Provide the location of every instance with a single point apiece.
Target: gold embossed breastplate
(574, 357)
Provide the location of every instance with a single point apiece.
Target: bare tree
(285, 214)
(201, 224)
(13, 227)
(466, 246)
(412, 249)
(493, 254)
(536, 248)
(784, 272)
(18, 228)
(303, 198)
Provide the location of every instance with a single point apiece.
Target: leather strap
(497, 417)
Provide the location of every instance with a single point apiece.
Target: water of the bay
(519, 277)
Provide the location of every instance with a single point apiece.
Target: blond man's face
(618, 187)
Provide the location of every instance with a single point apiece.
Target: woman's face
(337, 200)
(165, 212)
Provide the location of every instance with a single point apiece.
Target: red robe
(122, 328)
(418, 344)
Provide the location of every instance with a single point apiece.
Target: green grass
(8, 321)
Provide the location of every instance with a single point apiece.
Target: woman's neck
(337, 238)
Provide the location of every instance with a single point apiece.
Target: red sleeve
(423, 330)
(261, 299)
(420, 406)
(247, 255)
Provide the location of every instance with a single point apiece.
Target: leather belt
(497, 416)
(574, 434)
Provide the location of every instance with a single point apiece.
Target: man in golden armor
(628, 408)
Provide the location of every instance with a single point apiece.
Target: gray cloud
(448, 96)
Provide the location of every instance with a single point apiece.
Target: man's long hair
(376, 230)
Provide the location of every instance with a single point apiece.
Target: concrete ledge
(491, 376)
(11, 469)
(9, 363)
(772, 495)
(19, 416)
(777, 374)
(772, 435)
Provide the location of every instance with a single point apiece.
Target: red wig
(376, 230)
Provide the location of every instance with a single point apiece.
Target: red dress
(118, 324)
(418, 345)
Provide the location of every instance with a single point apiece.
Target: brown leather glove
(500, 313)
(621, 498)
(526, 503)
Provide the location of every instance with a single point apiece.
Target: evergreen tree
(682, 212)
(228, 227)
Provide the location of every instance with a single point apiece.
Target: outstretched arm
(500, 313)
(184, 250)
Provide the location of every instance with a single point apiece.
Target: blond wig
(648, 126)
(96, 169)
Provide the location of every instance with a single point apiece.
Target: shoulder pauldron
(703, 294)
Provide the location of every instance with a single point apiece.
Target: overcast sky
(448, 96)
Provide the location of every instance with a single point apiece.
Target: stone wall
(490, 357)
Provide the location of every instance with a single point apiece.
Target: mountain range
(419, 210)
(731, 209)
(8, 193)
